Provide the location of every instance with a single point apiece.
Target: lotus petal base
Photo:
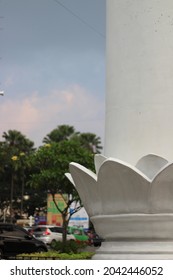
(131, 207)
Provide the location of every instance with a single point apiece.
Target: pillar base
(135, 250)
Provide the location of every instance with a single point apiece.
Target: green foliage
(51, 162)
(14, 151)
(17, 142)
(71, 246)
(87, 140)
(91, 142)
(61, 133)
(37, 171)
(56, 255)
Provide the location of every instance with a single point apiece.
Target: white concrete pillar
(139, 92)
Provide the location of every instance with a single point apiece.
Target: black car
(16, 240)
(94, 239)
(97, 240)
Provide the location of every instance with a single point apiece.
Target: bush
(71, 246)
(53, 255)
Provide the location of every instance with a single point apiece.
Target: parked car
(50, 233)
(15, 240)
(79, 233)
(89, 237)
(28, 228)
(94, 238)
(97, 240)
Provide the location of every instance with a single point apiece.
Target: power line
(79, 18)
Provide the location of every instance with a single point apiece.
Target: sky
(52, 66)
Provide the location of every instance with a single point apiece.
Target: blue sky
(52, 66)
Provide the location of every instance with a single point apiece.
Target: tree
(91, 142)
(65, 132)
(52, 162)
(17, 142)
(61, 133)
(14, 150)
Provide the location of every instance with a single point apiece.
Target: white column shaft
(139, 92)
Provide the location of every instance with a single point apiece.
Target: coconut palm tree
(65, 132)
(91, 142)
(61, 133)
(16, 140)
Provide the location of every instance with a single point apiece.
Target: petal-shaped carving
(98, 161)
(68, 175)
(85, 183)
(151, 164)
(123, 188)
(162, 191)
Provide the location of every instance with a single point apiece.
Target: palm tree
(91, 142)
(17, 141)
(65, 132)
(61, 133)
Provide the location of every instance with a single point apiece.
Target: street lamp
(2, 93)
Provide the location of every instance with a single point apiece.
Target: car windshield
(39, 229)
(52, 229)
(56, 229)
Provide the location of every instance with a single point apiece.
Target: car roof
(76, 227)
(48, 226)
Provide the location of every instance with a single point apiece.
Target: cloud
(18, 114)
(36, 115)
(9, 81)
